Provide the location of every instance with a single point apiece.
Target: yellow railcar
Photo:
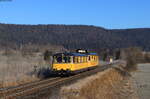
(71, 63)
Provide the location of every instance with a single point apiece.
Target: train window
(84, 59)
(60, 59)
(89, 58)
(74, 60)
(78, 59)
(66, 59)
(81, 59)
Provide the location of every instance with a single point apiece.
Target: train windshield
(62, 59)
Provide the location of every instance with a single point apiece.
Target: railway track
(24, 87)
(27, 89)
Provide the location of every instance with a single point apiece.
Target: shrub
(132, 56)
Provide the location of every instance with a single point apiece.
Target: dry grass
(15, 69)
(103, 85)
(18, 81)
(17, 66)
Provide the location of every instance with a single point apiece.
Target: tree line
(73, 36)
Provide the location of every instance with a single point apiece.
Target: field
(141, 80)
(114, 83)
(16, 68)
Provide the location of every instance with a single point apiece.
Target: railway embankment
(113, 83)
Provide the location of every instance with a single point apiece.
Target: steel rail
(8, 91)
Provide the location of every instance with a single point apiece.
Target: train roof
(70, 54)
(92, 53)
(75, 54)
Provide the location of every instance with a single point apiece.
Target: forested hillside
(73, 36)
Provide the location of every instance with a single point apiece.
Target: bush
(47, 55)
(132, 56)
(147, 57)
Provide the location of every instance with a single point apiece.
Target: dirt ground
(141, 80)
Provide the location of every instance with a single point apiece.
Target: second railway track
(34, 87)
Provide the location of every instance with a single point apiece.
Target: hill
(74, 36)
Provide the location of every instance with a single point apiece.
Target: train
(70, 63)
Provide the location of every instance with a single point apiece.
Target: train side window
(89, 58)
(59, 59)
(66, 59)
(73, 59)
(78, 59)
(81, 59)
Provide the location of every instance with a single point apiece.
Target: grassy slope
(100, 86)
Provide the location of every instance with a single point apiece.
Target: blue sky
(105, 13)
